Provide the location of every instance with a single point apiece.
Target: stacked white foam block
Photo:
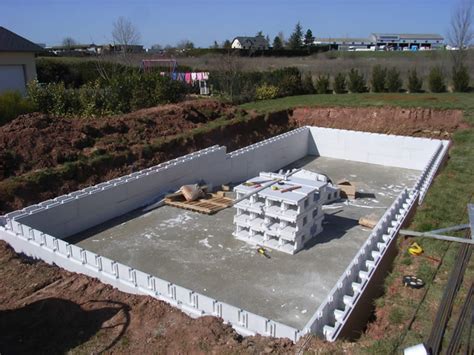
(283, 221)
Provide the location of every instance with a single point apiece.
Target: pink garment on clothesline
(187, 78)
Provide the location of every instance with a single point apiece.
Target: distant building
(255, 43)
(385, 41)
(17, 61)
(94, 49)
(346, 43)
(75, 50)
(409, 41)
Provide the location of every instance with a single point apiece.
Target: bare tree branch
(124, 35)
(461, 33)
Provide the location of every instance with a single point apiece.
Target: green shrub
(93, 100)
(54, 98)
(266, 92)
(322, 84)
(75, 73)
(379, 75)
(460, 79)
(13, 104)
(308, 85)
(436, 80)
(339, 84)
(356, 81)
(169, 91)
(239, 87)
(394, 82)
(415, 83)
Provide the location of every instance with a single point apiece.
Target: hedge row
(75, 73)
(124, 92)
(390, 80)
(240, 87)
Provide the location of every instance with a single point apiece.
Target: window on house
(305, 220)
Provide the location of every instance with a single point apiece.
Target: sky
(204, 21)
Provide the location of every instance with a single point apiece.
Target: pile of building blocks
(283, 211)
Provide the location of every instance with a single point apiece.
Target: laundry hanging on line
(188, 77)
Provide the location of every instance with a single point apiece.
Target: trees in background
(461, 35)
(69, 42)
(308, 38)
(185, 44)
(436, 80)
(296, 39)
(377, 81)
(277, 43)
(125, 33)
(415, 83)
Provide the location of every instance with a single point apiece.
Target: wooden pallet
(210, 204)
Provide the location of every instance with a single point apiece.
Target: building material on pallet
(347, 188)
(209, 204)
(369, 221)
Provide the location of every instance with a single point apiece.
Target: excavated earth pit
(198, 252)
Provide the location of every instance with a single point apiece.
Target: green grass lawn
(463, 101)
(445, 205)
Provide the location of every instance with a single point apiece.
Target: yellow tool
(275, 188)
(263, 252)
(415, 249)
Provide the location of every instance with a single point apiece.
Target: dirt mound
(41, 304)
(391, 120)
(36, 141)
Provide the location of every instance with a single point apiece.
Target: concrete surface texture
(198, 251)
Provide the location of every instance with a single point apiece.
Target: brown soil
(36, 141)
(45, 309)
(119, 152)
(390, 120)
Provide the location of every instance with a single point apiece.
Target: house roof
(253, 41)
(411, 36)
(11, 42)
(343, 40)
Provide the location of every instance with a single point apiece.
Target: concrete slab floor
(199, 252)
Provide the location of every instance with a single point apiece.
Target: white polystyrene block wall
(79, 211)
(396, 151)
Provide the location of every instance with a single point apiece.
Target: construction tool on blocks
(291, 189)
